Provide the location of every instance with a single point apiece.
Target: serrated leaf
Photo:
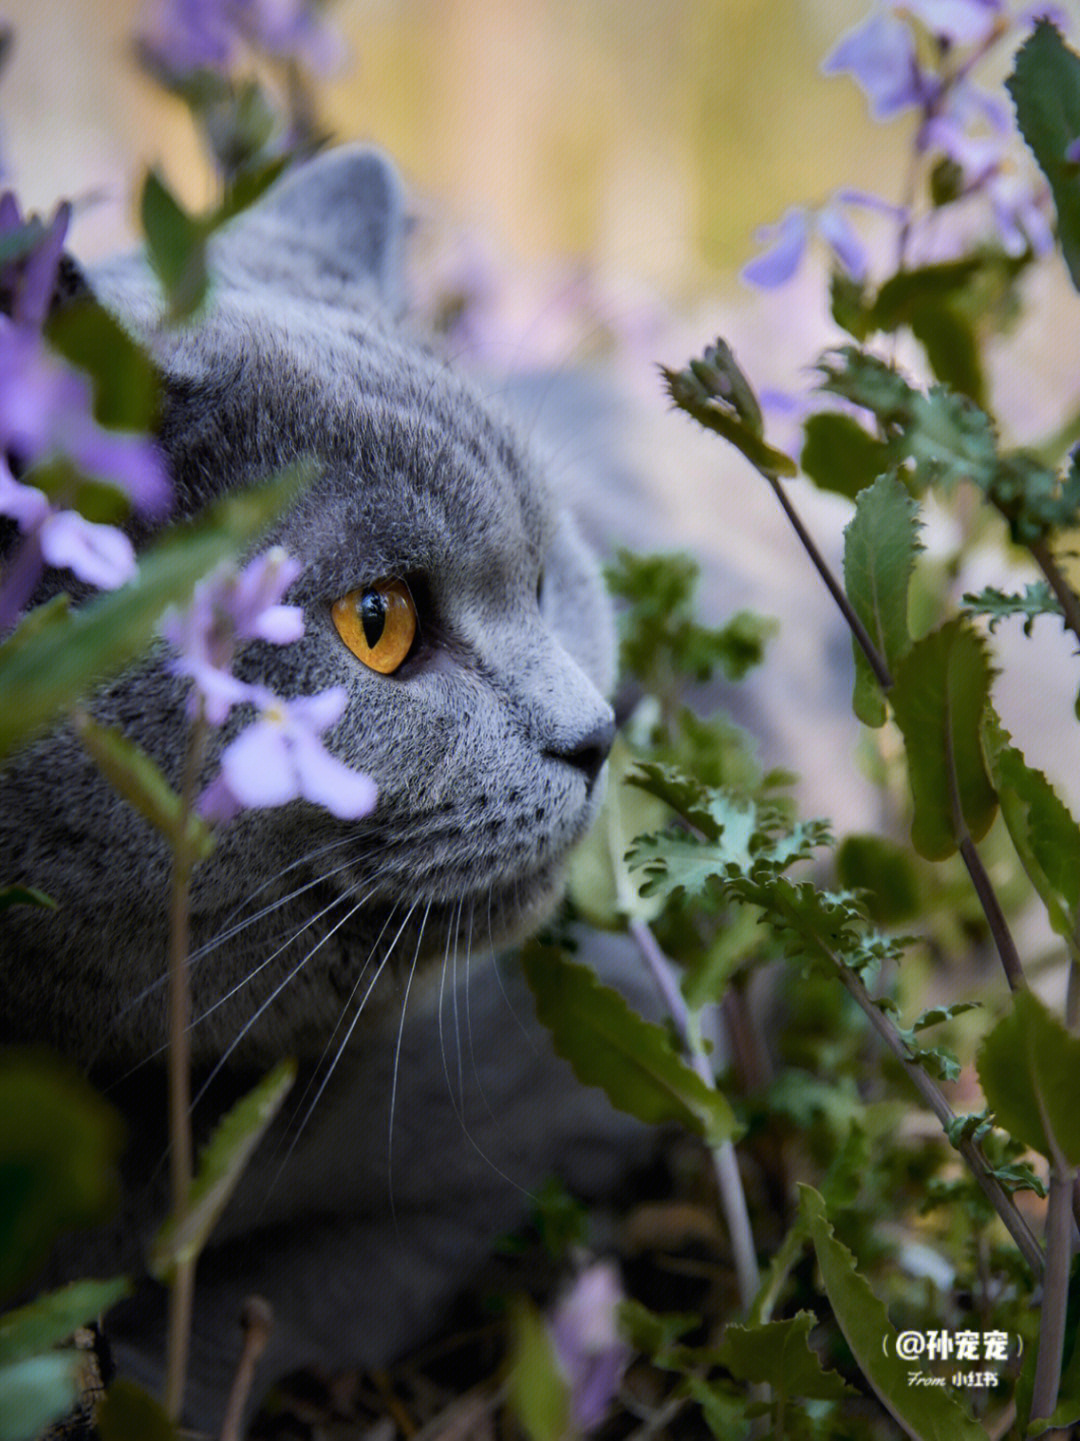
(220, 1167)
(600, 884)
(880, 545)
(1045, 836)
(1028, 1066)
(47, 666)
(925, 1413)
(59, 1146)
(37, 1392)
(1034, 600)
(939, 697)
(778, 1354)
(538, 1394)
(128, 1413)
(938, 1015)
(952, 348)
(717, 394)
(610, 1046)
(1045, 87)
(140, 780)
(838, 455)
(175, 247)
(52, 1318)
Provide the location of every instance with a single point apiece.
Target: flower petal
(780, 263)
(99, 554)
(329, 782)
(258, 766)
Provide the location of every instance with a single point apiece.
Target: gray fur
(477, 745)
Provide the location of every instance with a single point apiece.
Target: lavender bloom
(959, 22)
(227, 608)
(101, 555)
(280, 758)
(184, 36)
(29, 279)
(789, 239)
(880, 55)
(585, 1337)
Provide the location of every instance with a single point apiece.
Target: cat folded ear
(344, 221)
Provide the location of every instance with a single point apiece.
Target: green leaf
(1045, 836)
(51, 1319)
(778, 1354)
(1045, 87)
(848, 305)
(125, 380)
(59, 1144)
(248, 186)
(139, 779)
(1034, 600)
(880, 545)
(657, 1335)
(220, 1167)
(25, 896)
(939, 698)
(600, 884)
(49, 663)
(952, 348)
(719, 397)
(128, 1413)
(885, 875)
(928, 1414)
(1028, 1066)
(838, 455)
(37, 1392)
(538, 1394)
(175, 247)
(610, 1046)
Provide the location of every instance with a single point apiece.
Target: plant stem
(988, 1183)
(182, 1288)
(1067, 597)
(836, 590)
(725, 1164)
(1059, 1229)
(995, 916)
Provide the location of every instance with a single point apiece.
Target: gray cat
(486, 734)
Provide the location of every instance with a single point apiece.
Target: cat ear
(344, 218)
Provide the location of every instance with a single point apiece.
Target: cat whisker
(458, 1106)
(397, 1059)
(272, 997)
(348, 1034)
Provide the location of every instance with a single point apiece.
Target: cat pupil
(372, 616)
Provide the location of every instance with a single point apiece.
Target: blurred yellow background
(650, 138)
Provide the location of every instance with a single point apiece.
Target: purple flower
(280, 758)
(959, 22)
(880, 54)
(45, 411)
(184, 36)
(101, 555)
(789, 239)
(585, 1337)
(29, 278)
(227, 608)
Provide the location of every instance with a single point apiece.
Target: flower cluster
(184, 36)
(46, 418)
(959, 123)
(280, 756)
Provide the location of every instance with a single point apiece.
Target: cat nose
(589, 752)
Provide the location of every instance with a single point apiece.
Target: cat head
(487, 736)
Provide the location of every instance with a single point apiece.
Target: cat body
(363, 948)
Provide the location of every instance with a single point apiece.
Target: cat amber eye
(378, 623)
